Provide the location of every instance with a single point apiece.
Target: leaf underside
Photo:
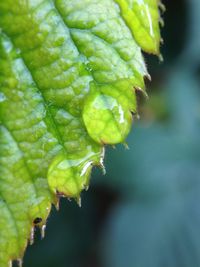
(68, 74)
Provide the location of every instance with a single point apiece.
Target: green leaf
(68, 75)
(143, 18)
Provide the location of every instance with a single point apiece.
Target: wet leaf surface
(68, 74)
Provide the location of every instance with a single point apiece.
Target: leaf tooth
(103, 169)
(19, 262)
(161, 21)
(87, 187)
(126, 146)
(161, 41)
(79, 202)
(32, 236)
(148, 76)
(42, 231)
(140, 90)
(162, 6)
(57, 204)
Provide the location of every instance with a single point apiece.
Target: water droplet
(86, 167)
(69, 175)
(150, 21)
(107, 118)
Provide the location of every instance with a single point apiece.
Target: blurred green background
(145, 212)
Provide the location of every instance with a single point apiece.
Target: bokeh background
(145, 212)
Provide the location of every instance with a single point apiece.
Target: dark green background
(145, 212)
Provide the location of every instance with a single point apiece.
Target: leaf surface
(68, 75)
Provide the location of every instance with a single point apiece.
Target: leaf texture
(68, 74)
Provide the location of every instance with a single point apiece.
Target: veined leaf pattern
(68, 74)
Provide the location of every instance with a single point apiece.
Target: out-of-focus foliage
(145, 211)
(158, 223)
(159, 216)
